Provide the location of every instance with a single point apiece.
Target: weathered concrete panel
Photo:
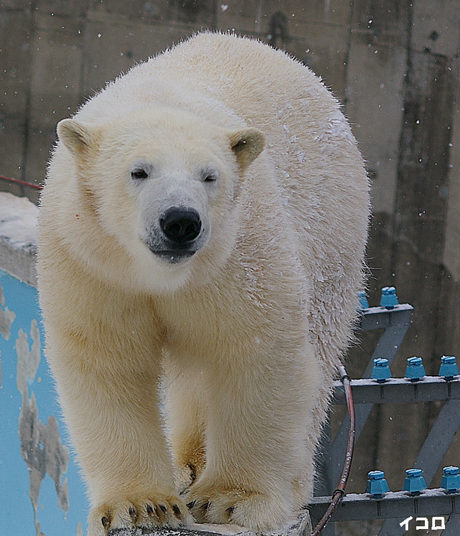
(15, 69)
(451, 255)
(238, 15)
(16, 5)
(334, 12)
(40, 142)
(424, 156)
(374, 100)
(385, 23)
(374, 91)
(448, 341)
(189, 11)
(114, 46)
(324, 49)
(314, 32)
(407, 232)
(14, 62)
(435, 27)
(421, 207)
(12, 149)
(56, 70)
(62, 8)
(56, 81)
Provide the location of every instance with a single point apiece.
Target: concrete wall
(394, 65)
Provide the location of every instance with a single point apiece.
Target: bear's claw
(256, 511)
(138, 512)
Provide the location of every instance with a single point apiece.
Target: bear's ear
(247, 144)
(78, 138)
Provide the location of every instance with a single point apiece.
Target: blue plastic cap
(451, 479)
(414, 482)
(389, 299)
(451, 470)
(363, 303)
(376, 475)
(381, 371)
(415, 369)
(413, 473)
(449, 367)
(376, 484)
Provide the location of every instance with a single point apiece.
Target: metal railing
(398, 509)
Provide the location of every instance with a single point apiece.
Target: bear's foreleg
(111, 406)
(259, 461)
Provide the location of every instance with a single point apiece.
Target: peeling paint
(6, 317)
(28, 361)
(41, 445)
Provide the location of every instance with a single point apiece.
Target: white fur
(249, 330)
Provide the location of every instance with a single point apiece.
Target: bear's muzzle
(177, 236)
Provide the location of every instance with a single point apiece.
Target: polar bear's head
(165, 183)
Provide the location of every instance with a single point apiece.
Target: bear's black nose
(180, 224)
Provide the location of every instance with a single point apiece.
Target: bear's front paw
(259, 512)
(148, 511)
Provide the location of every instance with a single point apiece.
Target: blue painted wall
(17, 512)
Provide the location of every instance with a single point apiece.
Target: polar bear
(202, 229)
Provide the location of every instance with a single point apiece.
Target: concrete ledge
(18, 237)
(196, 530)
(301, 526)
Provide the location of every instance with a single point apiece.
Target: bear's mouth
(173, 256)
(170, 253)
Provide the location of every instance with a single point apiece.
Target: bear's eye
(139, 174)
(209, 176)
